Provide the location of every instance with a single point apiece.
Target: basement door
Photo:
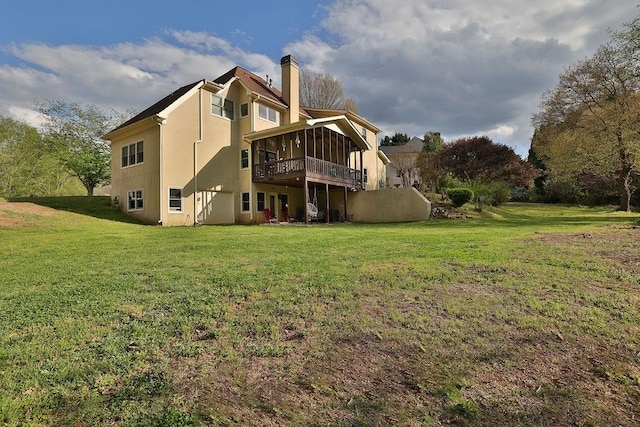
(216, 207)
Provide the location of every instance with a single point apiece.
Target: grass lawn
(525, 315)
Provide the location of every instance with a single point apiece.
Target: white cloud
(459, 67)
(26, 115)
(78, 62)
(121, 76)
(313, 52)
(502, 131)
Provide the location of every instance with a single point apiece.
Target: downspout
(200, 115)
(378, 168)
(161, 138)
(195, 160)
(362, 170)
(195, 181)
(251, 184)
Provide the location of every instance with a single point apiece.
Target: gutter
(195, 161)
(161, 143)
(251, 184)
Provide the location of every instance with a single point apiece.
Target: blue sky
(262, 27)
(460, 67)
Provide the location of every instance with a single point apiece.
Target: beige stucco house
(237, 150)
(402, 171)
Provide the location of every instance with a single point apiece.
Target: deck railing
(310, 165)
(274, 168)
(334, 170)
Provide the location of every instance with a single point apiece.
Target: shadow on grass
(96, 206)
(543, 216)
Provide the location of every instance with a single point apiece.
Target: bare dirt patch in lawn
(21, 214)
(431, 354)
(617, 244)
(450, 371)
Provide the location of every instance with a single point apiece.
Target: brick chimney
(291, 88)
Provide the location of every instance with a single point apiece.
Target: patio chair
(313, 214)
(268, 218)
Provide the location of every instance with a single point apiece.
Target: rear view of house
(237, 150)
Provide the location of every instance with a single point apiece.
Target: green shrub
(500, 193)
(494, 193)
(521, 194)
(448, 180)
(459, 196)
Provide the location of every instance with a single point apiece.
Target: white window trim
(242, 210)
(245, 115)
(248, 159)
(267, 118)
(222, 100)
(135, 146)
(264, 201)
(141, 190)
(174, 210)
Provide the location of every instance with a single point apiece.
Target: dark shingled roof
(414, 145)
(159, 106)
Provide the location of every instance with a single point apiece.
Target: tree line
(66, 155)
(491, 170)
(587, 132)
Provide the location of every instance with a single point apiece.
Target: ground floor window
(260, 201)
(175, 199)
(135, 200)
(365, 175)
(246, 205)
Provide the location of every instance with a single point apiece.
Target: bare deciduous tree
(322, 90)
(406, 166)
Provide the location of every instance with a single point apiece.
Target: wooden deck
(293, 172)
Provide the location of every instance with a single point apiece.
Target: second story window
(244, 158)
(268, 114)
(132, 154)
(222, 107)
(244, 110)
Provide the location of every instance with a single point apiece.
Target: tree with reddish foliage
(478, 158)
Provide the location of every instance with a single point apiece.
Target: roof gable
(254, 83)
(257, 85)
(341, 122)
(325, 112)
(159, 106)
